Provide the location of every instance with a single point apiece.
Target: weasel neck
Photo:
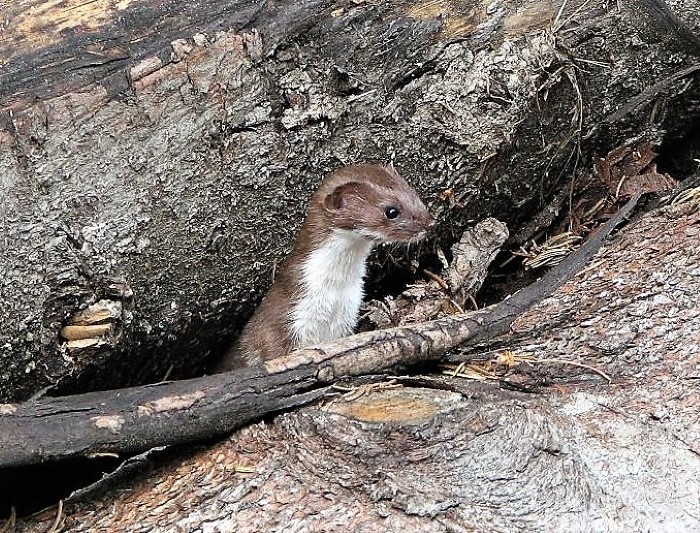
(331, 288)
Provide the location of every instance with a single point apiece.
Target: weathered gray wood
(577, 453)
(155, 157)
(136, 419)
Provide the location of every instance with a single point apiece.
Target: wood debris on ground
(594, 197)
(448, 293)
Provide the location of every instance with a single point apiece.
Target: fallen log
(156, 157)
(577, 453)
(136, 419)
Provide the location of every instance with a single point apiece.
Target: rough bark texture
(155, 157)
(580, 454)
(140, 418)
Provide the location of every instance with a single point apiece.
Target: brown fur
(351, 198)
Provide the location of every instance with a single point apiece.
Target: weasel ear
(391, 170)
(337, 199)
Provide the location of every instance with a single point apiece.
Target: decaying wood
(156, 156)
(135, 419)
(154, 161)
(440, 296)
(582, 455)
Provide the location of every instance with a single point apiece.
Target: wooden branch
(138, 418)
(175, 148)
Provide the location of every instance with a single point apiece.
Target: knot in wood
(325, 374)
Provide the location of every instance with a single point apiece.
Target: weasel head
(373, 201)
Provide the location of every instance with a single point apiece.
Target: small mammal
(319, 287)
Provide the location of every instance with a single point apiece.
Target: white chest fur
(332, 289)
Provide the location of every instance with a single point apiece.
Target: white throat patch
(331, 289)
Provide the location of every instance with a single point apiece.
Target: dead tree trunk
(155, 158)
(576, 452)
(140, 418)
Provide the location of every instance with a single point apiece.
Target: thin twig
(437, 279)
(459, 308)
(559, 26)
(574, 363)
(57, 524)
(10, 523)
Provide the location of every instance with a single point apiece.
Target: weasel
(319, 287)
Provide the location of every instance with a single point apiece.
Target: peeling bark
(580, 454)
(155, 157)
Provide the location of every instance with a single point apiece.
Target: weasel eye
(391, 212)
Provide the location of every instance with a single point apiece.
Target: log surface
(140, 418)
(576, 454)
(156, 157)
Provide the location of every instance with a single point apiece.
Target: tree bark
(155, 158)
(140, 418)
(576, 453)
